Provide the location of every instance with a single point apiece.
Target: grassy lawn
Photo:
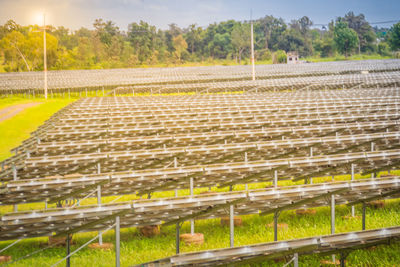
(16, 129)
(341, 58)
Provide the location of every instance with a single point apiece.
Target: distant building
(292, 58)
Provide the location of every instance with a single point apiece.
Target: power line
(371, 23)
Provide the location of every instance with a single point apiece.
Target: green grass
(16, 129)
(341, 58)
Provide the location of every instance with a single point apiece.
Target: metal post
(332, 214)
(176, 166)
(177, 238)
(364, 207)
(68, 260)
(333, 222)
(191, 194)
(296, 260)
(276, 215)
(99, 203)
(14, 171)
(231, 226)
(352, 178)
(342, 260)
(98, 163)
(117, 242)
(44, 56)
(372, 149)
(275, 179)
(253, 69)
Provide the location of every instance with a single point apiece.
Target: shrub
(279, 57)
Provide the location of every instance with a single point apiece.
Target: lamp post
(253, 71)
(44, 56)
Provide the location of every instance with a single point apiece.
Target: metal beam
(302, 202)
(210, 209)
(381, 195)
(78, 192)
(94, 223)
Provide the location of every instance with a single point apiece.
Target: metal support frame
(246, 186)
(98, 163)
(15, 177)
(276, 216)
(364, 207)
(296, 260)
(352, 178)
(117, 242)
(99, 203)
(343, 257)
(176, 166)
(68, 260)
(333, 217)
(191, 194)
(332, 214)
(372, 149)
(275, 179)
(231, 226)
(177, 241)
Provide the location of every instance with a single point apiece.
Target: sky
(74, 14)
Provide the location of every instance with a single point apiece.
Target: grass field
(136, 248)
(16, 129)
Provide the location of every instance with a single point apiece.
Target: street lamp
(253, 71)
(44, 56)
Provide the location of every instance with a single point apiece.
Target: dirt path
(11, 111)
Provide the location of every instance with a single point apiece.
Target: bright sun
(37, 17)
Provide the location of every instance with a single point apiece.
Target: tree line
(106, 46)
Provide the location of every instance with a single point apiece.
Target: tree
(293, 40)
(105, 30)
(180, 46)
(272, 28)
(365, 32)
(193, 37)
(305, 24)
(241, 39)
(394, 37)
(142, 37)
(346, 39)
(13, 46)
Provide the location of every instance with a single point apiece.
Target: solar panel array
(267, 251)
(140, 145)
(157, 211)
(369, 73)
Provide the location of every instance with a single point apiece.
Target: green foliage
(228, 42)
(346, 39)
(394, 37)
(180, 46)
(240, 37)
(383, 49)
(364, 31)
(279, 57)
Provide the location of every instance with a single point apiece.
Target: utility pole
(252, 48)
(44, 56)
